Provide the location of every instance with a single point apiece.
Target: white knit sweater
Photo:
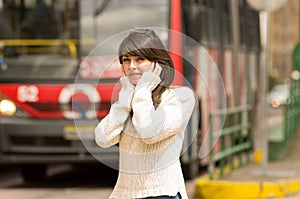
(150, 141)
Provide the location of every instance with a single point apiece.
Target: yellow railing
(71, 44)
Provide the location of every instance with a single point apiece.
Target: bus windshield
(102, 20)
(38, 39)
(49, 39)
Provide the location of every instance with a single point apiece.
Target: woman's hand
(126, 93)
(156, 68)
(107, 132)
(150, 79)
(126, 84)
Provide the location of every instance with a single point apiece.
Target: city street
(76, 75)
(63, 182)
(94, 181)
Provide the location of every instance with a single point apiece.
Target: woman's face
(134, 67)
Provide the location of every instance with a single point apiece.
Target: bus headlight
(7, 107)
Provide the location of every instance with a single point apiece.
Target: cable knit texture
(150, 141)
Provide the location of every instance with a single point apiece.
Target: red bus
(58, 71)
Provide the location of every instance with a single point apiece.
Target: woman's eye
(140, 58)
(125, 60)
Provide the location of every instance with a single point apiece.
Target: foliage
(273, 80)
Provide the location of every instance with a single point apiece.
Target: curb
(217, 189)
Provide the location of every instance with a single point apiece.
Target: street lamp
(265, 7)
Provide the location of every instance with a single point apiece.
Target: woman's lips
(134, 75)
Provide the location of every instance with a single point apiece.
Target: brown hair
(145, 43)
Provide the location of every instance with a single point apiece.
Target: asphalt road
(63, 182)
(84, 181)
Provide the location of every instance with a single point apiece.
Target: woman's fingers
(157, 69)
(153, 66)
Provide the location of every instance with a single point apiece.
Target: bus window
(39, 39)
(249, 28)
(201, 21)
(5, 28)
(211, 19)
(243, 24)
(225, 24)
(102, 19)
(253, 39)
(42, 21)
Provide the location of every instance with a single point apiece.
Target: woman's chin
(134, 81)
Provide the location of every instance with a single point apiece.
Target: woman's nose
(132, 65)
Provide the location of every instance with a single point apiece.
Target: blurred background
(59, 74)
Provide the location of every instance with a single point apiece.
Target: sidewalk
(281, 179)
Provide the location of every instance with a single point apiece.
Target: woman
(148, 121)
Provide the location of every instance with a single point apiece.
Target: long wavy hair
(145, 43)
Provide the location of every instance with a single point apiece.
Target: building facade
(283, 37)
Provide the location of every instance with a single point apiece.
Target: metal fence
(292, 109)
(231, 142)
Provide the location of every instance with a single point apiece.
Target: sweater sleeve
(107, 132)
(168, 119)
